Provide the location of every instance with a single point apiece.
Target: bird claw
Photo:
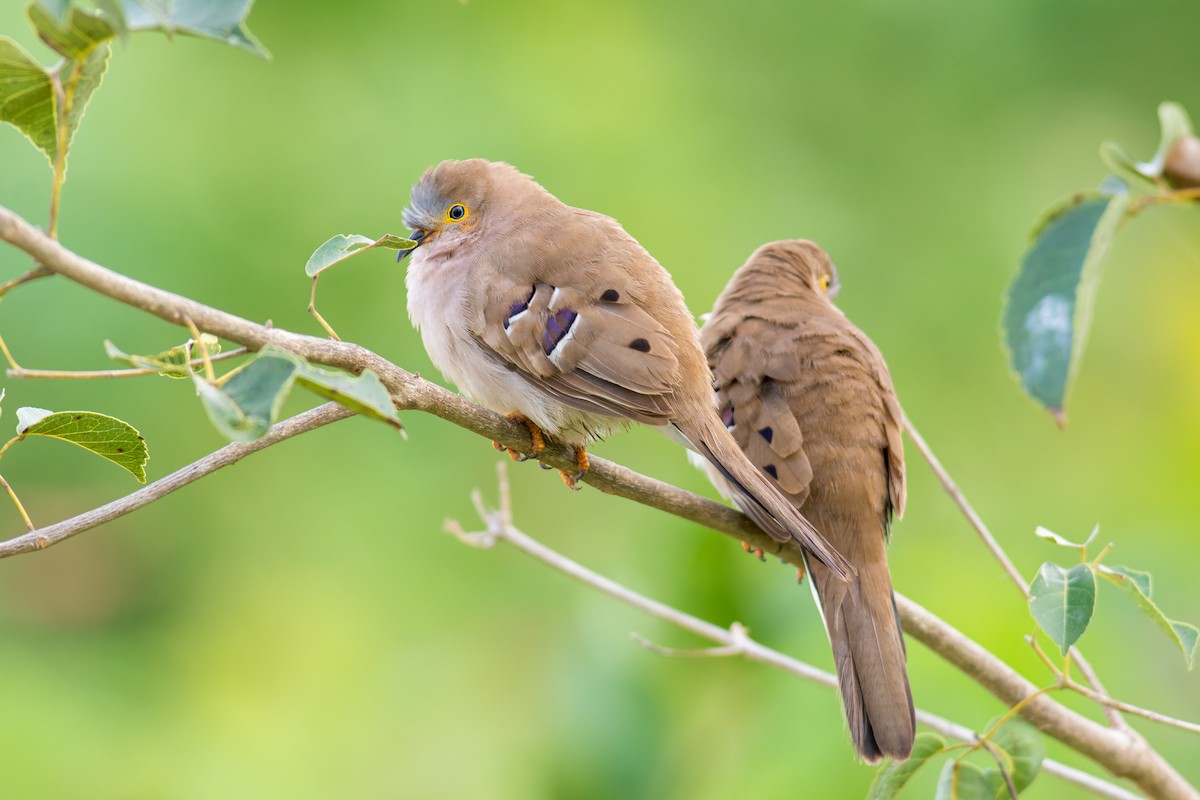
(582, 464)
(537, 441)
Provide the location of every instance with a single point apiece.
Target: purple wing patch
(517, 307)
(557, 328)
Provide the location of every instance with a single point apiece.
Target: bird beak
(417, 236)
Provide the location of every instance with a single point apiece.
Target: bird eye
(826, 281)
(457, 211)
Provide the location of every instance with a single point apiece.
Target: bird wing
(571, 313)
(892, 419)
(750, 360)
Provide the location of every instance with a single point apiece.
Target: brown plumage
(808, 398)
(556, 314)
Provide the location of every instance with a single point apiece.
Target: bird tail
(756, 496)
(869, 656)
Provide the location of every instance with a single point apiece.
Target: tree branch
(733, 641)
(1122, 754)
(42, 538)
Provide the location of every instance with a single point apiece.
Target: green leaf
(363, 394)
(221, 20)
(114, 13)
(1046, 533)
(1061, 602)
(27, 97)
(28, 100)
(392, 242)
(962, 780)
(56, 8)
(107, 437)
(893, 775)
(1142, 580)
(226, 417)
(342, 246)
(1022, 750)
(248, 401)
(1125, 166)
(1048, 308)
(171, 363)
(73, 37)
(1137, 586)
(261, 385)
(1175, 123)
(334, 250)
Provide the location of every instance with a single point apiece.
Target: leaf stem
(7, 354)
(1168, 196)
(1004, 768)
(60, 151)
(85, 375)
(204, 357)
(8, 444)
(312, 309)
(16, 500)
(1095, 562)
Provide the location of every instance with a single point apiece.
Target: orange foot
(535, 435)
(757, 551)
(581, 466)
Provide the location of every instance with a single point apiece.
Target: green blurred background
(297, 626)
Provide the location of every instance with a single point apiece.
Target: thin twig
(312, 309)
(96, 374)
(1114, 717)
(42, 538)
(1067, 683)
(1131, 709)
(32, 275)
(732, 641)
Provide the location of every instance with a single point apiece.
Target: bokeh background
(297, 626)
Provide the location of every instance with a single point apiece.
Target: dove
(809, 399)
(558, 318)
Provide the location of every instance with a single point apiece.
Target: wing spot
(610, 296)
(770, 470)
(767, 433)
(640, 344)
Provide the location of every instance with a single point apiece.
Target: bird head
(451, 201)
(802, 260)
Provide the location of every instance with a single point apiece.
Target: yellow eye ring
(826, 281)
(457, 212)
